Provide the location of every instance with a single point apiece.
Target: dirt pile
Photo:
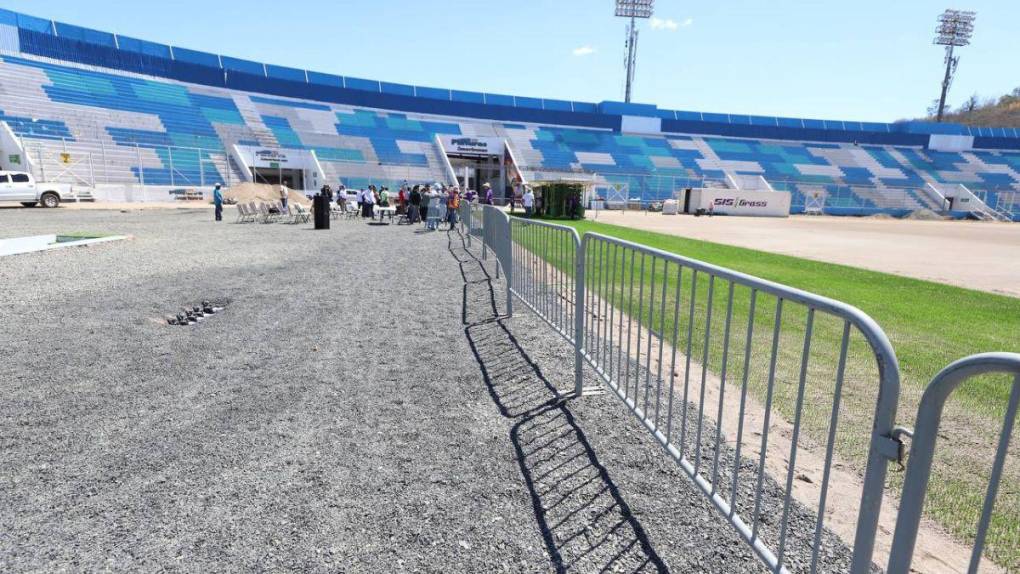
(924, 215)
(246, 192)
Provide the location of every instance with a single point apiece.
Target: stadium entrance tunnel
(292, 178)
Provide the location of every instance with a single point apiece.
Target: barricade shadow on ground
(585, 523)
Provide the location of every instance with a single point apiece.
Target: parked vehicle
(21, 187)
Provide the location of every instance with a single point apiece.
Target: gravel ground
(357, 407)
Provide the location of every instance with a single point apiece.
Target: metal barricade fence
(544, 261)
(668, 335)
(765, 395)
(922, 453)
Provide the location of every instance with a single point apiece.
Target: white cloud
(670, 24)
(584, 51)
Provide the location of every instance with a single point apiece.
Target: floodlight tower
(633, 9)
(955, 29)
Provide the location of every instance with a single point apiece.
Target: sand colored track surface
(975, 255)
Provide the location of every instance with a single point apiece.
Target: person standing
(452, 206)
(529, 202)
(217, 199)
(402, 200)
(341, 198)
(488, 193)
(368, 203)
(426, 195)
(415, 201)
(284, 196)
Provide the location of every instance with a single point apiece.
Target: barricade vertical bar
(604, 304)
(676, 341)
(996, 477)
(662, 341)
(612, 308)
(594, 310)
(579, 294)
(743, 401)
(651, 329)
(768, 415)
(722, 388)
(630, 321)
(830, 444)
(559, 257)
(640, 318)
(806, 354)
(704, 372)
(509, 267)
(687, 366)
(544, 235)
(623, 362)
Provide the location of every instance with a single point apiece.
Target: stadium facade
(104, 111)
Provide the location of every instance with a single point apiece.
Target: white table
(382, 212)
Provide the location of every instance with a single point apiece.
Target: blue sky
(861, 60)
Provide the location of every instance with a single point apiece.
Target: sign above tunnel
(469, 145)
(276, 158)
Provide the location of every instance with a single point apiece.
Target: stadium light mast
(633, 9)
(954, 30)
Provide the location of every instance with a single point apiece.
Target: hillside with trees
(1001, 112)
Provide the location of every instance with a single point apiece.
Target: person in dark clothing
(415, 204)
(425, 203)
(217, 195)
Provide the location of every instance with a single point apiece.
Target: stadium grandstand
(104, 112)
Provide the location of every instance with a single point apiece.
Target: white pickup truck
(18, 186)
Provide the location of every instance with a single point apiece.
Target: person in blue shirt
(217, 198)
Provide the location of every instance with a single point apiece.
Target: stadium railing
(734, 375)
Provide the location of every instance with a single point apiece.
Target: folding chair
(301, 214)
(267, 216)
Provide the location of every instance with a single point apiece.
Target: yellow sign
(65, 157)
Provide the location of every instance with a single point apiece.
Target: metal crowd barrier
(544, 261)
(712, 362)
(922, 452)
(659, 330)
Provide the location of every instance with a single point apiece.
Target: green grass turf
(929, 324)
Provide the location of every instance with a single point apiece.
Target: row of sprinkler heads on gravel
(194, 315)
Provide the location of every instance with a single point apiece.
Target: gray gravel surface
(357, 407)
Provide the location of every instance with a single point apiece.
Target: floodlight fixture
(633, 9)
(955, 29)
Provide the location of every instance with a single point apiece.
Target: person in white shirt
(368, 202)
(529, 202)
(341, 198)
(284, 196)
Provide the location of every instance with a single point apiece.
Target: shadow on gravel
(585, 523)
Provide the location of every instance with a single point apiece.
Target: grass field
(929, 324)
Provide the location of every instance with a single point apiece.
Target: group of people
(416, 202)
(432, 204)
